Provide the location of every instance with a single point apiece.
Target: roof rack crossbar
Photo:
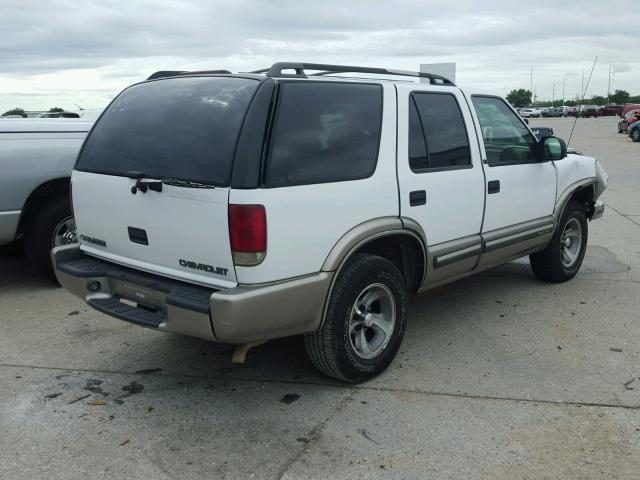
(277, 69)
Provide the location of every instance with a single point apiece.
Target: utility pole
(563, 82)
(582, 88)
(609, 85)
(553, 95)
(531, 84)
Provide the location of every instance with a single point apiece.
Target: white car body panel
(575, 168)
(304, 222)
(455, 198)
(181, 223)
(527, 191)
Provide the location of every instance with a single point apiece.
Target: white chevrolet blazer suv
(244, 207)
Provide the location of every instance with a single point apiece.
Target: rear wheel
(365, 321)
(635, 135)
(562, 258)
(52, 226)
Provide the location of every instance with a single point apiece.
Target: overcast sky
(61, 52)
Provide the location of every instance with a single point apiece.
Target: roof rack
(276, 70)
(173, 73)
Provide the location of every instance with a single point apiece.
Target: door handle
(417, 197)
(493, 186)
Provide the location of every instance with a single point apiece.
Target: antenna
(582, 102)
(80, 108)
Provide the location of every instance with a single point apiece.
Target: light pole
(609, 86)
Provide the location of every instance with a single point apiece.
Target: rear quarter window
(437, 133)
(324, 132)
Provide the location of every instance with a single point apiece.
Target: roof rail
(164, 73)
(173, 73)
(276, 71)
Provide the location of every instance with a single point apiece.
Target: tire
(635, 135)
(38, 239)
(558, 262)
(365, 280)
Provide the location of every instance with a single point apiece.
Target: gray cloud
(495, 44)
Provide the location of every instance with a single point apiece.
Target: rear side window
(183, 128)
(324, 132)
(437, 133)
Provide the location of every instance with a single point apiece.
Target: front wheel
(562, 258)
(365, 321)
(635, 135)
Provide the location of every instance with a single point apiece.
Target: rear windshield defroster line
(182, 128)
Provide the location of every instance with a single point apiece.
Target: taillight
(248, 234)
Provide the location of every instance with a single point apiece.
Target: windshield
(184, 128)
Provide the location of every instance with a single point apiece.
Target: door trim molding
(454, 259)
(454, 251)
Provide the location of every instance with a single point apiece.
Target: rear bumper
(236, 315)
(598, 209)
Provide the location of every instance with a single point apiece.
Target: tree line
(22, 113)
(523, 98)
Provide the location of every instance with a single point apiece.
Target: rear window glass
(183, 128)
(324, 132)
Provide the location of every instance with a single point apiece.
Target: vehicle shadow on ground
(430, 314)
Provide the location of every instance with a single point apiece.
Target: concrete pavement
(500, 376)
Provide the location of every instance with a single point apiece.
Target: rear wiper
(186, 183)
(143, 185)
(156, 184)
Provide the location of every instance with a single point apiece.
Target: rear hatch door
(151, 184)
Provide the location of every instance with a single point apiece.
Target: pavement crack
(315, 435)
(351, 388)
(623, 215)
(580, 276)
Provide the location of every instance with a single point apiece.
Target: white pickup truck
(244, 207)
(36, 159)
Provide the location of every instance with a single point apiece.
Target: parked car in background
(588, 111)
(570, 111)
(553, 112)
(628, 108)
(610, 110)
(60, 115)
(630, 117)
(541, 132)
(529, 112)
(634, 131)
(36, 160)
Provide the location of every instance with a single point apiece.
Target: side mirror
(554, 148)
(526, 120)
